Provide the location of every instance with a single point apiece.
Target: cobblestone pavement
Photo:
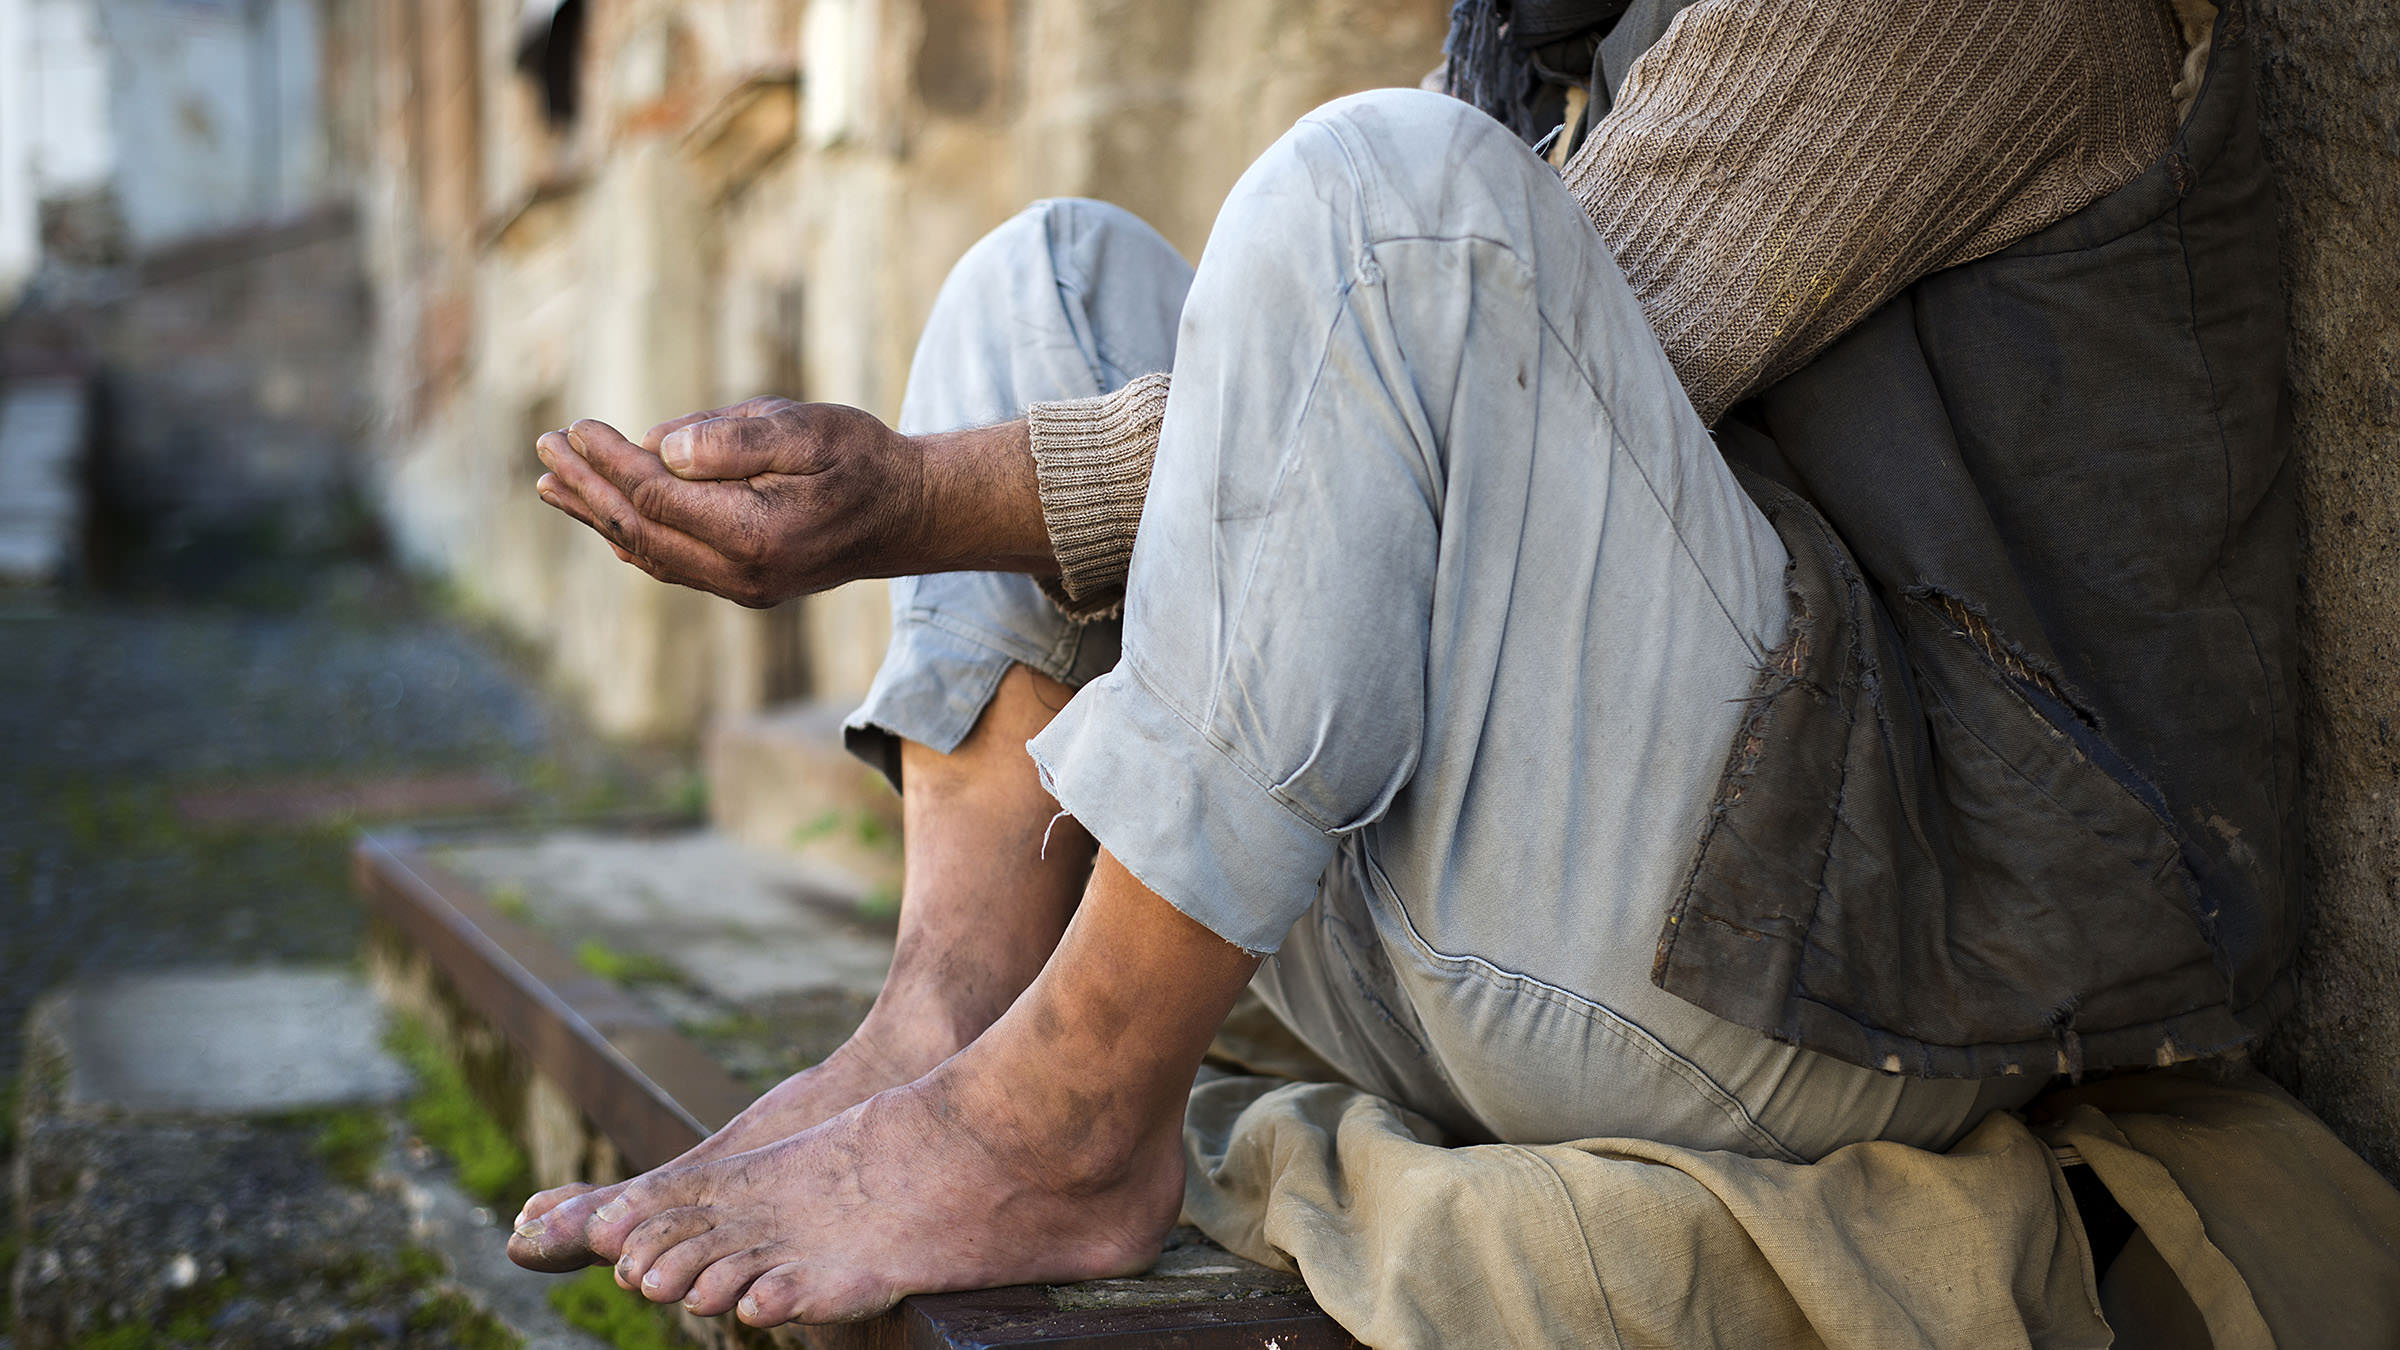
(180, 773)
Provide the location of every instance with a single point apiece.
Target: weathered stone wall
(758, 196)
(2332, 107)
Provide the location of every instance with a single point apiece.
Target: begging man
(1776, 632)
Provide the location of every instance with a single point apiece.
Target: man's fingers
(709, 511)
(652, 438)
(559, 495)
(661, 549)
(749, 407)
(732, 446)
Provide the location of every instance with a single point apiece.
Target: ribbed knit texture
(1773, 171)
(1091, 460)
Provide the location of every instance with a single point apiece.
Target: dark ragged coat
(2017, 795)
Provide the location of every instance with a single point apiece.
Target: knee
(1068, 237)
(1406, 161)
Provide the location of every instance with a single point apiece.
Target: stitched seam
(1591, 1262)
(1224, 748)
(997, 645)
(1617, 447)
(1605, 1018)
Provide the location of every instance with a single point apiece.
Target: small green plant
(881, 904)
(688, 795)
(450, 1318)
(825, 823)
(592, 1302)
(510, 899)
(623, 967)
(874, 831)
(446, 1115)
(349, 1142)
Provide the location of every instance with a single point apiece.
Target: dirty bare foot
(946, 1183)
(990, 884)
(1050, 1149)
(891, 1048)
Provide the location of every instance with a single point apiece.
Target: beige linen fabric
(2255, 1216)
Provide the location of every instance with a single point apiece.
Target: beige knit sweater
(1773, 170)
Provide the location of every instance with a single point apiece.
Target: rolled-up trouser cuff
(954, 635)
(933, 685)
(1180, 812)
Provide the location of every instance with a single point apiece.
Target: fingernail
(611, 1212)
(624, 1269)
(651, 1280)
(531, 1228)
(676, 450)
(749, 1306)
(575, 439)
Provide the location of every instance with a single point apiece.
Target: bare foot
(886, 1052)
(961, 1180)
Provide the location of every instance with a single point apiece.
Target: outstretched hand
(757, 502)
(769, 499)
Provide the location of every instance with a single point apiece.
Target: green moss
(446, 1114)
(10, 1244)
(123, 1336)
(824, 825)
(688, 795)
(881, 904)
(592, 1302)
(187, 1320)
(349, 1141)
(451, 1319)
(509, 898)
(875, 832)
(623, 967)
(374, 1278)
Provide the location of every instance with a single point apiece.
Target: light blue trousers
(1440, 617)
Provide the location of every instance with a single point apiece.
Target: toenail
(531, 1228)
(650, 1281)
(611, 1212)
(749, 1307)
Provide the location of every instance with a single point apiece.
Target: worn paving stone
(222, 1042)
(225, 1232)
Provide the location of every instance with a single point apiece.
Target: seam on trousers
(1608, 1019)
(1007, 649)
(1224, 749)
(1617, 447)
(1566, 1195)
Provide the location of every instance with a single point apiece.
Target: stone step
(43, 429)
(177, 1174)
(780, 779)
(495, 941)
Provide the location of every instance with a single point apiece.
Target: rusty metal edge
(486, 957)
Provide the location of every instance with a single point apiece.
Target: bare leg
(1048, 1150)
(982, 907)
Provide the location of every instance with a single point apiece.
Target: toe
(656, 1235)
(799, 1292)
(644, 1196)
(545, 1201)
(673, 1276)
(718, 1288)
(559, 1238)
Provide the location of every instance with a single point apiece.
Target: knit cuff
(1091, 460)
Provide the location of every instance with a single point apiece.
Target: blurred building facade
(631, 209)
(317, 248)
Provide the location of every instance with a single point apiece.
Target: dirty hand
(771, 498)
